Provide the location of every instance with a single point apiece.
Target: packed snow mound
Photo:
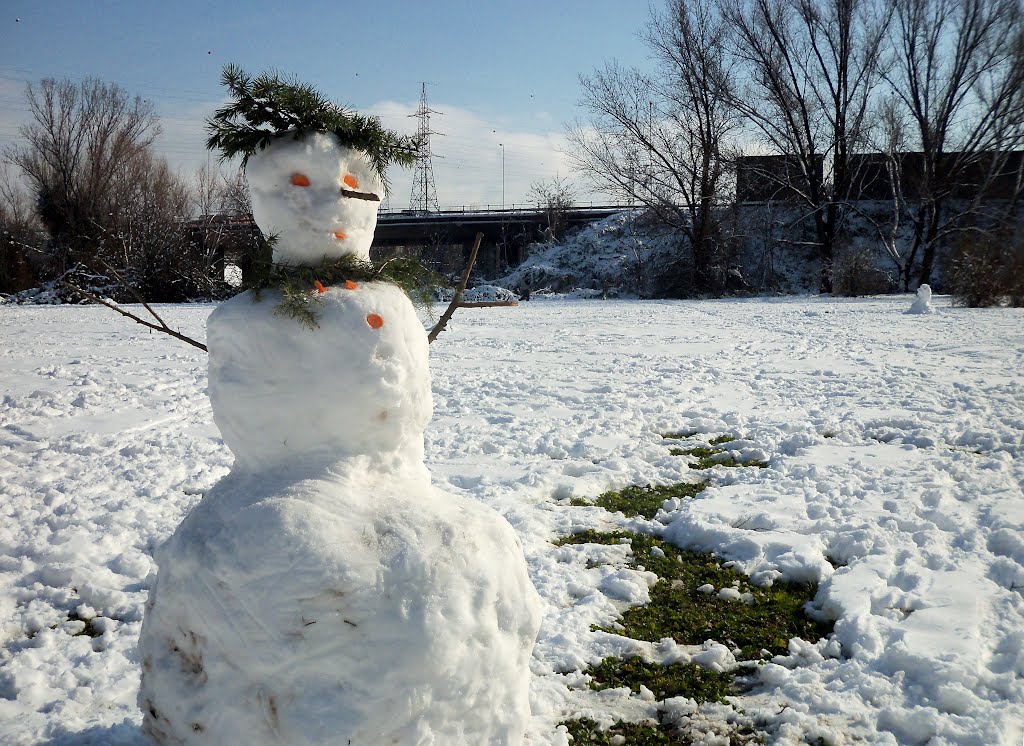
(620, 253)
(285, 395)
(316, 196)
(353, 607)
(923, 302)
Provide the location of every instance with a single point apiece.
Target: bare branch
(442, 322)
(114, 307)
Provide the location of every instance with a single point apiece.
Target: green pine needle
(300, 299)
(269, 107)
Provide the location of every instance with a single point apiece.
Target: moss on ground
(705, 457)
(689, 616)
(674, 680)
(643, 501)
(587, 731)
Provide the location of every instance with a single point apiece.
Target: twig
(457, 298)
(113, 307)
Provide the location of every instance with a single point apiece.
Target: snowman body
(325, 591)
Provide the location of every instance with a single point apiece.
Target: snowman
(922, 301)
(324, 591)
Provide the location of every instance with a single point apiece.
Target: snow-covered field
(895, 446)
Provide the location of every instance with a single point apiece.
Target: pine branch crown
(271, 107)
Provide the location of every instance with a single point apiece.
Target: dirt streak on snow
(896, 457)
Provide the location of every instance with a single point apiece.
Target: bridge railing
(513, 209)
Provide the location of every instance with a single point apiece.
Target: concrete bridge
(452, 227)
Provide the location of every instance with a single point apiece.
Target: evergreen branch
(297, 284)
(270, 107)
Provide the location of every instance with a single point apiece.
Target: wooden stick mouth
(368, 196)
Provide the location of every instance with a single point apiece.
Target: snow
(895, 450)
(306, 219)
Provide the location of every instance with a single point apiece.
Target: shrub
(988, 270)
(855, 272)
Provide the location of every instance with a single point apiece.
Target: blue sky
(499, 73)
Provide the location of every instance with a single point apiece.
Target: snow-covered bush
(856, 271)
(620, 253)
(988, 270)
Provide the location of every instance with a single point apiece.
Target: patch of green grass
(674, 680)
(678, 610)
(645, 501)
(680, 436)
(708, 457)
(587, 731)
(721, 440)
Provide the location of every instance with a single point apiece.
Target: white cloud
(468, 163)
(183, 135)
(468, 156)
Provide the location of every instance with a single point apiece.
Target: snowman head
(316, 170)
(316, 196)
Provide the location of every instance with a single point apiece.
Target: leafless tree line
(94, 193)
(819, 83)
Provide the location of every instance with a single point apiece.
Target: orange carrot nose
(319, 286)
(349, 285)
(351, 181)
(300, 180)
(375, 321)
(339, 235)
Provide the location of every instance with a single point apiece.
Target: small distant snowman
(324, 592)
(922, 301)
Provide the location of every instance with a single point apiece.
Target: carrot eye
(300, 180)
(351, 181)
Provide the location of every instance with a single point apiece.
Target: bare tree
(79, 142)
(222, 226)
(234, 197)
(148, 237)
(21, 237)
(660, 141)
(811, 68)
(105, 198)
(889, 139)
(959, 75)
(556, 197)
(219, 193)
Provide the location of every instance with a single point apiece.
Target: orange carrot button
(319, 286)
(349, 285)
(300, 180)
(375, 321)
(351, 181)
